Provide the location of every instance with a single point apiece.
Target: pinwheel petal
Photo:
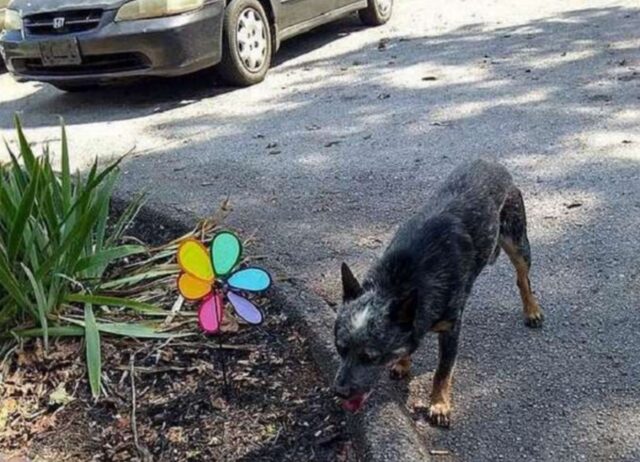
(245, 309)
(193, 288)
(210, 314)
(193, 258)
(250, 279)
(226, 251)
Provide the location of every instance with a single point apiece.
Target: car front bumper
(112, 51)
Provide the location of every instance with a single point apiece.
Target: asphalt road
(351, 130)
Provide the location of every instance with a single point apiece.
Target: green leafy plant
(57, 248)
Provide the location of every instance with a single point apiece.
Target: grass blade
(135, 330)
(22, 215)
(104, 258)
(128, 215)
(25, 150)
(136, 278)
(94, 360)
(114, 301)
(41, 304)
(65, 175)
(11, 285)
(53, 331)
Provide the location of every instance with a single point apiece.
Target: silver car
(77, 44)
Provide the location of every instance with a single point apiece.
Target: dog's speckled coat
(422, 282)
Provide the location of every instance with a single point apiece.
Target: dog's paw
(534, 320)
(400, 370)
(440, 415)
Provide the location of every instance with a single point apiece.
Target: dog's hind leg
(514, 241)
(440, 409)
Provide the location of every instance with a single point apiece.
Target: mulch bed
(277, 408)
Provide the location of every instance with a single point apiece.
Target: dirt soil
(276, 407)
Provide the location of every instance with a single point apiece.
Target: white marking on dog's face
(361, 318)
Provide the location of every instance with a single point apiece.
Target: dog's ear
(351, 288)
(403, 311)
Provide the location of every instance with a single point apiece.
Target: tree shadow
(325, 173)
(316, 174)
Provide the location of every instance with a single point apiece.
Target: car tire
(246, 56)
(377, 12)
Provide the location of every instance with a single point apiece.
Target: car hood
(40, 6)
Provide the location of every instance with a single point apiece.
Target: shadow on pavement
(357, 152)
(134, 99)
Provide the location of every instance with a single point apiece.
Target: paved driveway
(351, 130)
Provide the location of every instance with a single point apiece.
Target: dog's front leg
(401, 368)
(440, 410)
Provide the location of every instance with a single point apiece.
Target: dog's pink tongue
(354, 404)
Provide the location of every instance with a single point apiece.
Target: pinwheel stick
(222, 355)
(214, 276)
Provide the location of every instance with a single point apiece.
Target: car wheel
(377, 12)
(246, 44)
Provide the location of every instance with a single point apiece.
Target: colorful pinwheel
(209, 277)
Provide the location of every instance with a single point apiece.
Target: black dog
(422, 282)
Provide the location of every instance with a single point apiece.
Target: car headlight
(146, 9)
(12, 20)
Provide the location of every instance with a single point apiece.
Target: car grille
(63, 22)
(91, 65)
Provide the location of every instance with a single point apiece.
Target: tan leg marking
(442, 326)
(532, 312)
(440, 410)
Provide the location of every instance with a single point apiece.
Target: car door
(346, 3)
(294, 12)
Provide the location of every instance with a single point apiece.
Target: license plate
(60, 53)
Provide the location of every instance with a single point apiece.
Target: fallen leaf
(230, 325)
(219, 404)
(369, 242)
(7, 407)
(59, 396)
(44, 423)
(175, 435)
(270, 429)
(11, 458)
(123, 423)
